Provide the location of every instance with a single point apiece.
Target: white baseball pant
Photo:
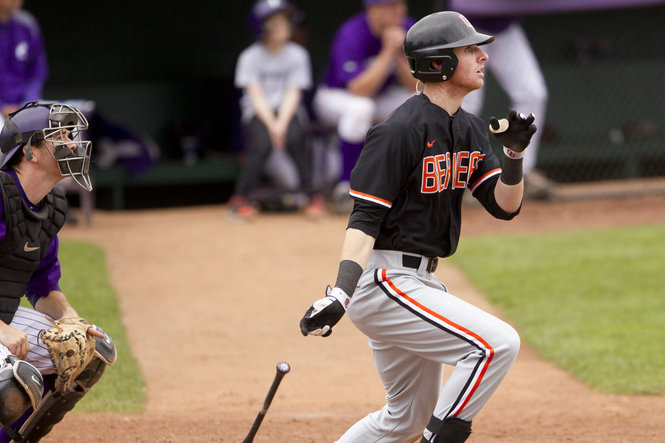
(32, 322)
(353, 115)
(414, 327)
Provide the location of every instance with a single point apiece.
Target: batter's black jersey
(410, 178)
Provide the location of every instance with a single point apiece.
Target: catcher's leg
(55, 405)
(21, 386)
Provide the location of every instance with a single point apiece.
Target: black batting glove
(325, 313)
(515, 131)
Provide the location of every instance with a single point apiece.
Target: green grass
(591, 302)
(85, 283)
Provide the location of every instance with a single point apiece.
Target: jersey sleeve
(245, 75)
(300, 76)
(485, 176)
(347, 59)
(381, 173)
(484, 164)
(47, 275)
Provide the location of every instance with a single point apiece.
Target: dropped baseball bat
(282, 368)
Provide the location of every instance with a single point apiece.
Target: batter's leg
(423, 319)
(411, 384)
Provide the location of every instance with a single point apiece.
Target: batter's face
(469, 74)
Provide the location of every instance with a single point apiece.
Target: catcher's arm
(15, 340)
(57, 306)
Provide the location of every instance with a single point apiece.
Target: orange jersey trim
(487, 175)
(488, 348)
(371, 198)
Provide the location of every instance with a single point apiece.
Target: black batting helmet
(433, 38)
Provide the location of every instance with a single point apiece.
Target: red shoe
(240, 208)
(316, 207)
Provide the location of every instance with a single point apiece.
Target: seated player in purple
(366, 79)
(42, 144)
(23, 67)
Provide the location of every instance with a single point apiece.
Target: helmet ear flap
(448, 65)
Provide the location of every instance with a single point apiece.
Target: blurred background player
(366, 79)
(42, 145)
(516, 69)
(23, 66)
(273, 72)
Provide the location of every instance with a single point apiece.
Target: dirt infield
(211, 306)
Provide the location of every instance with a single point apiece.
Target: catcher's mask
(60, 125)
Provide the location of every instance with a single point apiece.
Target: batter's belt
(382, 258)
(414, 261)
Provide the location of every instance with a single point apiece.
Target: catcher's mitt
(69, 348)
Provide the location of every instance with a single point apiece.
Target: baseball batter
(407, 187)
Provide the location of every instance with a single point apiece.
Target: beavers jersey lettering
(410, 178)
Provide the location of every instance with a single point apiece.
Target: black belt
(413, 261)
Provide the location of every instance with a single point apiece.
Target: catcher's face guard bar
(64, 134)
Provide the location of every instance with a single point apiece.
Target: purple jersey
(353, 48)
(45, 278)
(23, 67)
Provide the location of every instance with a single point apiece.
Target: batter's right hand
(515, 131)
(15, 340)
(324, 314)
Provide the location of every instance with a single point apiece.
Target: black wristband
(511, 171)
(348, 275)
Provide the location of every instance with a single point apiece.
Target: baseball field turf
(86, 284)
(589, 301)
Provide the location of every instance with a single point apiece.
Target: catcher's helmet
(57, 123)
(263, 9)
(433, 38)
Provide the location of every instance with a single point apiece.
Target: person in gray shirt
(272, 72)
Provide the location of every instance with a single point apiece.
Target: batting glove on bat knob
(515, 131)
(325, 313)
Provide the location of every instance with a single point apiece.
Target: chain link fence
(606, 109)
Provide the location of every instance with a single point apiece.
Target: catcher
(49, 356)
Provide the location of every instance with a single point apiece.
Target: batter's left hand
(323, 315)
(515, 131)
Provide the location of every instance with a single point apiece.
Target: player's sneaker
(537, 186)
(316, 207)
(240, 208)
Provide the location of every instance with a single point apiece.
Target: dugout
(165, 69)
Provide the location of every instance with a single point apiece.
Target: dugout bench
(164, 173)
